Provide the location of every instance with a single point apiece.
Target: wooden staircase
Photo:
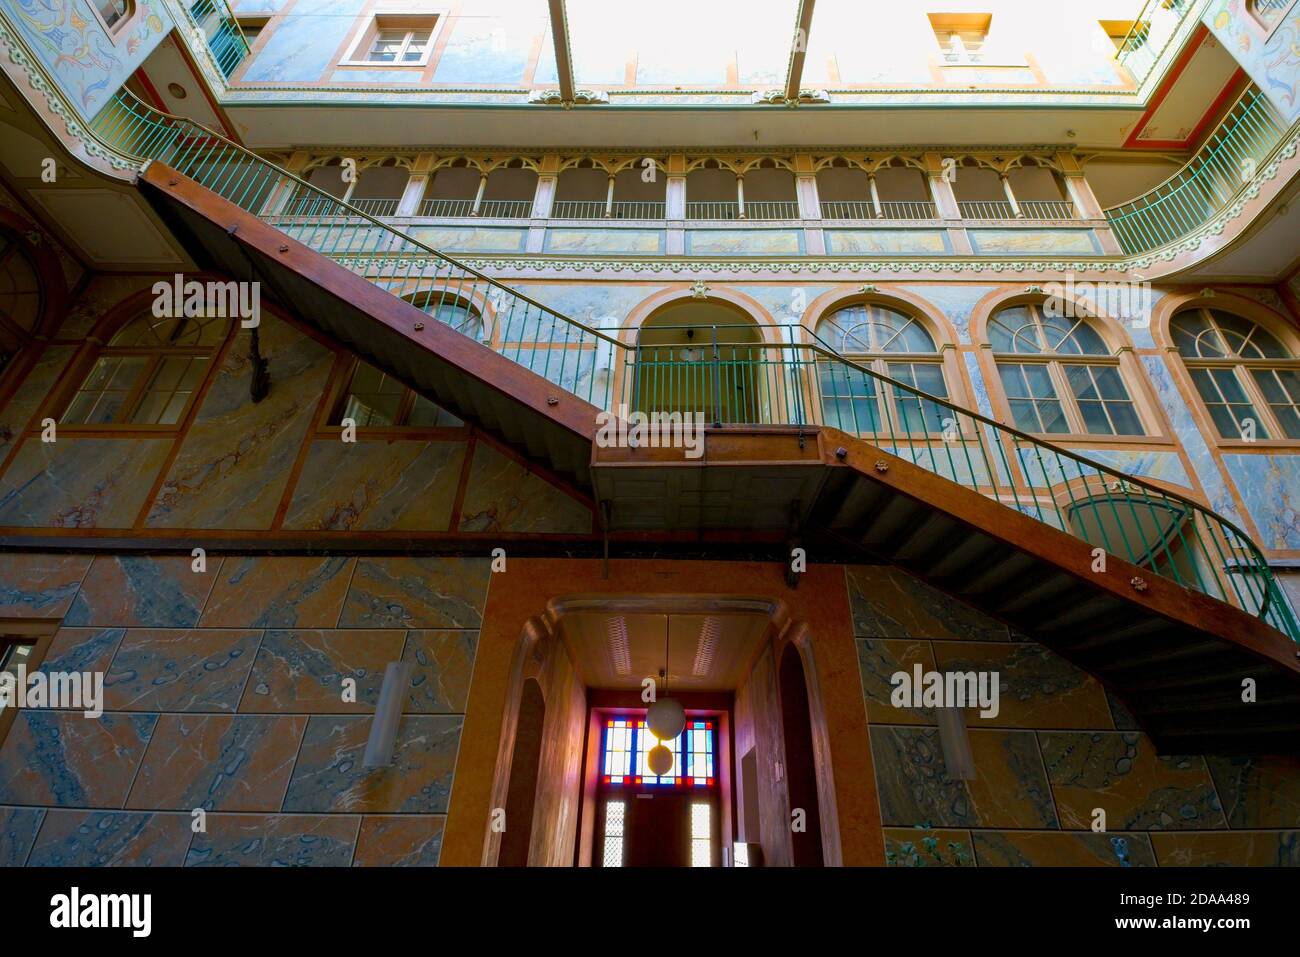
(1177, 657)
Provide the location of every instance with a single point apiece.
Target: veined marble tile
(18, 829)
(274, 840)
(1036, 687)
(1120, 772)
(329, 776)
(417, 593)
(444, 663)
(1066, 849)
(1010, 789)
(167, 670)
(80, 482)
(82, 649)
(18, 411)
(39, 586)
(377, 484)
(141, 591)
(303, 670)
(218, 763)
(111, 839)
(406, 841)
(235, 461)
(1228, 849)
(504, 496)
(878, 660)
(278, 592)
(889, 603)
(64, 759)
(1258, 792)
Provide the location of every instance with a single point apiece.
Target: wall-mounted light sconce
(388, 714)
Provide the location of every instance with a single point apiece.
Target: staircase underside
(1176, 657)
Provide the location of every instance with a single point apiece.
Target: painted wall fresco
(886, 242)
(1270, 487)
(744, 242)
(1272, 60)
(223, 691)
(303, 47)
(75, 48)
(1059, 747)
(1020, 242)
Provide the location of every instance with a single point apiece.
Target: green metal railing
(789, 376)
(1224, 167)
(1151, 34)
(226, 40)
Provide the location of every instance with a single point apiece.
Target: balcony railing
(1029, 209)
(886, 209)
(1223, 168)
(487, 209)
(597, 209)
(793, 377)
(226, 40)
(376, 207)
(446, 208)
(759, 209)
(1151, 33)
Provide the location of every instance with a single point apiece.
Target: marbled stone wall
(1059, 748)
(223, 691)
(235, 467)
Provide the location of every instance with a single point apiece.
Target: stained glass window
(627, 745)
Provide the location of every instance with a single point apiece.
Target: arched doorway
(701, 356)
(800, 764)
(524, 764)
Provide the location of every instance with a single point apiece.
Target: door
(658, 832)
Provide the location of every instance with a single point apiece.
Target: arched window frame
(107, 346)
(882, 361)
(409, 404)
(1057, 365)
(1272, 426)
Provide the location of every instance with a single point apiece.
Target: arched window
(1248, 380)
(891, 344)
(149, 372)
(1058, 375)
(373, 399)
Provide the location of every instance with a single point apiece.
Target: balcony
(1246, 140)
(1152, 32)
(731, 210)
(225, 40)
(595, 209)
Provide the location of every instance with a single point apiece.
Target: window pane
(1032, 397)
(429, 415)
(105, 390)
(849, 399)
(1194, 336)
(170, 389)
(1281, 388)
(373, 398)
(1227, 403)
(1103, 400)
(1247, 339)
(917, 414)
(1014, 330)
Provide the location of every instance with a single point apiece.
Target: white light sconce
(388, 715)
(954, 738)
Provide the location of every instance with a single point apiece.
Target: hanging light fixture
(666, 718)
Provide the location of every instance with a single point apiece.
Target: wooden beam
(563, 55)
(799, 49)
